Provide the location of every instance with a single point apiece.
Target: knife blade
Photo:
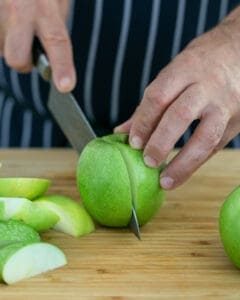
(64, 107)
(134, 225)
(70, 116)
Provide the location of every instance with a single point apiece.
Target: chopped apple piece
(29, 212)
(20, 261)
(73, 218)
(16, 231)
(29, 188)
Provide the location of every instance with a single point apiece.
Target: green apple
(29, 212)
(2, 211)
(229, 226)
(111, 177)
(11, 206)
(21, 260)
(73, 218)
(16, 231)
(29, 188)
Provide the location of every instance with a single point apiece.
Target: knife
(70, 116)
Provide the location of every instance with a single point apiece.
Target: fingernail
(150, 162)
(166, 182)
(65, 84)
(136, 142)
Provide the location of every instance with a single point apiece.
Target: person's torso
(119, 47)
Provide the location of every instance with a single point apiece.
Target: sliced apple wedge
(1, 211)
(29, 188)
(20, 261)
(37, 216)
(73, 218)
(22, 209)
(12, 206)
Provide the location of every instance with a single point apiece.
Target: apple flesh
(111, 177)
(23, 255)
(229, 226)
(29, 212)
(21, 260)
(73, 218)
(29, 188)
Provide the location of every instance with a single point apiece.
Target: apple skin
(29, 212)
(73, 219)
(110, 174)
(39, 218)
(16, 231)
(29, 188)
(229, 226)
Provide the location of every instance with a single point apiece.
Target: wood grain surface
(180, 255)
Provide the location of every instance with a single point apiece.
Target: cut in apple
(20, 261)
(17, 231)
(29, 212)
(29, 188)
(73, 218)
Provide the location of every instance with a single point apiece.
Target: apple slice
(36, 216)
(30, 213)
(16, 231)
(29, 188)
(11, 206)
(73, 218)
(1, 211)
(20, 261)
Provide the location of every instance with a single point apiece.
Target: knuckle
(157, 151)
(212, 136)
(55, 38)
(223, 114)
(155, 97)
(183, 113)
(142, 127)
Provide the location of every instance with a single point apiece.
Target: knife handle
(40, 60)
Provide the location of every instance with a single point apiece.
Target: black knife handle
(40, 60)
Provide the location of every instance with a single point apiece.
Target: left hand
(202, 82)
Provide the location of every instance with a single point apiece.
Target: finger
(231, 131)
(1, 44)
(56, 42)
(18, 41)
(64, 8)
(124, 127)
(4, 16)
(168, 85)
(199, 148)
(175, 121)
(17, 46)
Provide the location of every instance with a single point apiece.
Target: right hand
(20, 20)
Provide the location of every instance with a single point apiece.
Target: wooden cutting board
(180, 255)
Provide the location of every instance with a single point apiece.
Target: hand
(203, 82)
(20, 20)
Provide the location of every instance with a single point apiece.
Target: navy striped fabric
(119, 47)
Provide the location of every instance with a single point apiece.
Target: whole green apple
(229, 226)
(111, 176)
